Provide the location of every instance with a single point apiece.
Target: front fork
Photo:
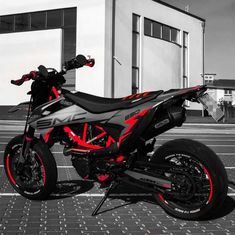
(28, 136)
(27, 140)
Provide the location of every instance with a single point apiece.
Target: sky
(220, 33)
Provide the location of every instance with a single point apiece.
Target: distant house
(224, 88)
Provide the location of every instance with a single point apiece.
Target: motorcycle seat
(97, 104)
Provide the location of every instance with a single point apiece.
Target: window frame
(162, 25)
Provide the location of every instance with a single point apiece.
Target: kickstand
(112, 186)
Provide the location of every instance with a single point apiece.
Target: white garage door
(23, 52)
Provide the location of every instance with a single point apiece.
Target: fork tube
(28, 135)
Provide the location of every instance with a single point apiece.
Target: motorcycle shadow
(127, 193)
(70, 188)
(138, 195)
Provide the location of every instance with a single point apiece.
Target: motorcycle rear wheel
(202, 193)
(36, 178)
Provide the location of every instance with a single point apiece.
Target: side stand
(112, 186)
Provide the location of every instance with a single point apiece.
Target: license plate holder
(211, 106)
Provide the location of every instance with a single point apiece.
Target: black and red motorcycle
(111, 140)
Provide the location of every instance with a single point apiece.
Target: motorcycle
(112, 140)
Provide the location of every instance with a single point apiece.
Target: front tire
(37, 176)
(206, 186)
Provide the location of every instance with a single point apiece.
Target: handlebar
(78, 62)
(24, 78)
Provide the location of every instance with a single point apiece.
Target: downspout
(113, 49)
(203, 57)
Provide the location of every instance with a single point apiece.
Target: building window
(135, 52)
(175, 35)
(166, 33)
(51, 19)
(22, 22)
(185, 60)
(161, 31)
(147, 27)
(6, 24)
(228, 92)
(157, 30)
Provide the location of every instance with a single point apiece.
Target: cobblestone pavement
(127, 211)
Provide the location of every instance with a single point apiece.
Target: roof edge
(180, 10)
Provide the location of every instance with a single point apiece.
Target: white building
(138, 45)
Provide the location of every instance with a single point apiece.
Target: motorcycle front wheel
(36, 177)
(197, 192)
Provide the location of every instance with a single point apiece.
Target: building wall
(161, 65)
(94, 37)
(21, 58)
(123, 47)
(91, 17)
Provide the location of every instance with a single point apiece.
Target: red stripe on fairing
(44, 172)
(211, 185)
(47, 135)
(9, 171)
(131, 122)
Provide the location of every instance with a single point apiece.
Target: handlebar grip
(26, 77)
(18, 82)
(90, 62)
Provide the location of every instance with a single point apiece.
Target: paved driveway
(128, 211)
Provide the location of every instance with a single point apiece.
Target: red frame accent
(28, 138)
(78, 140)
(85, 132)
(103, 178)
(54, 92)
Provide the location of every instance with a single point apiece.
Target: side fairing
(43, 118)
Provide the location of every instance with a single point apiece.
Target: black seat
(96, 104)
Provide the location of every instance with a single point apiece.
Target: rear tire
(209, 179)
(38, 176)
